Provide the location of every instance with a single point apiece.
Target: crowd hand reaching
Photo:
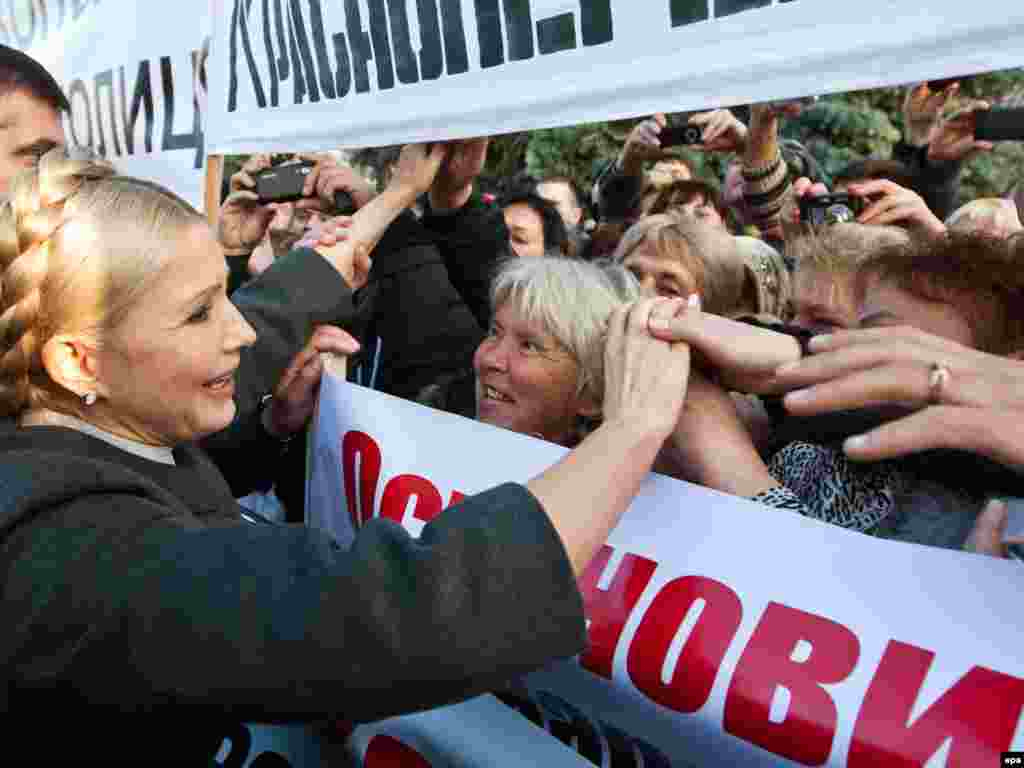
(959, 398)
(243, 220)
(643, 143)
(723, 132)
(802, 187)
(645, 378)
(889, 203)
(325, 232)
(986, 538)
(922, 112)
(295, 394)
(327, 178)
(743, 355)
(417, 167)
(453, 185)
(955, 140)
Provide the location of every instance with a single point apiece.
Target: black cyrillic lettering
(44, 18)
(405, 59)
(298, 47)
(456, 53)
(268, 43)
(316, 20)
(142, 95)
(105, 79)
(729, 7)
(519, 24)
(78, 7)
(557, 33)
(343, 79)
(240, 27)
(488, 26)
(359, 43)
(283, 67)
(381, 44)
(23, 38)
(685, 12)
(431, 59)
(78, 89)
(595, 21)
(172, 140)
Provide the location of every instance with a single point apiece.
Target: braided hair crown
(29, 220)
(79, 245)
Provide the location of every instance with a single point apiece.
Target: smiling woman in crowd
(135, 593)
(540, 369)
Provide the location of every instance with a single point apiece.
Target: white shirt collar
(44, 417)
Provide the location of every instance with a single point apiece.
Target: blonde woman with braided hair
(134, 591)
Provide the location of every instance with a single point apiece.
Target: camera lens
(838, 214)
(692, 135)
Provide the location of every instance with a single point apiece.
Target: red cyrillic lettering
(808, 728)
(400, 489)
(694, 673)
(389, 752)
(608, 610)
(361, 444)
(456, 497)
(980, 713)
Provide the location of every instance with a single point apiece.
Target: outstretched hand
(295, 395)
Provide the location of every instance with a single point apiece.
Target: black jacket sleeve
(130, 613)
(938, 183)
(473, 242)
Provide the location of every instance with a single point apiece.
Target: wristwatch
(261, 409)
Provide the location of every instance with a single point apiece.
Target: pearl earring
(89, 398)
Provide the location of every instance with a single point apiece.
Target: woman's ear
(72, 363)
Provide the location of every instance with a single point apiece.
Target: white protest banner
(319, 74)
(129, 69)
(723, 632)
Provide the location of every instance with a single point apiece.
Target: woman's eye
(201, 315)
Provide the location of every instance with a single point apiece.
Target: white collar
(45, 417)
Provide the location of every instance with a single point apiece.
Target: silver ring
(938, 378)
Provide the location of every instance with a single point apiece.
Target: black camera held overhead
(283, 184)
(682, 134)
(830, 209)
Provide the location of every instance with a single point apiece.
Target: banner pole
(211, 189)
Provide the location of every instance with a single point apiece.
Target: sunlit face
(29, 128)
(560, 195)
(886, 305)
(167, 369)
(526, 381)
(667, 171)
(824, 300)
(659, 275)
(525, 230)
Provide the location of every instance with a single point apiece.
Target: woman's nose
(242, 334)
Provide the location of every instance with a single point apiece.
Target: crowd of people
(848, 353)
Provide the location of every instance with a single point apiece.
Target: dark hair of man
(979, 276)
(20, 72)
(875, 168)
(680, 193)
(556, 237)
